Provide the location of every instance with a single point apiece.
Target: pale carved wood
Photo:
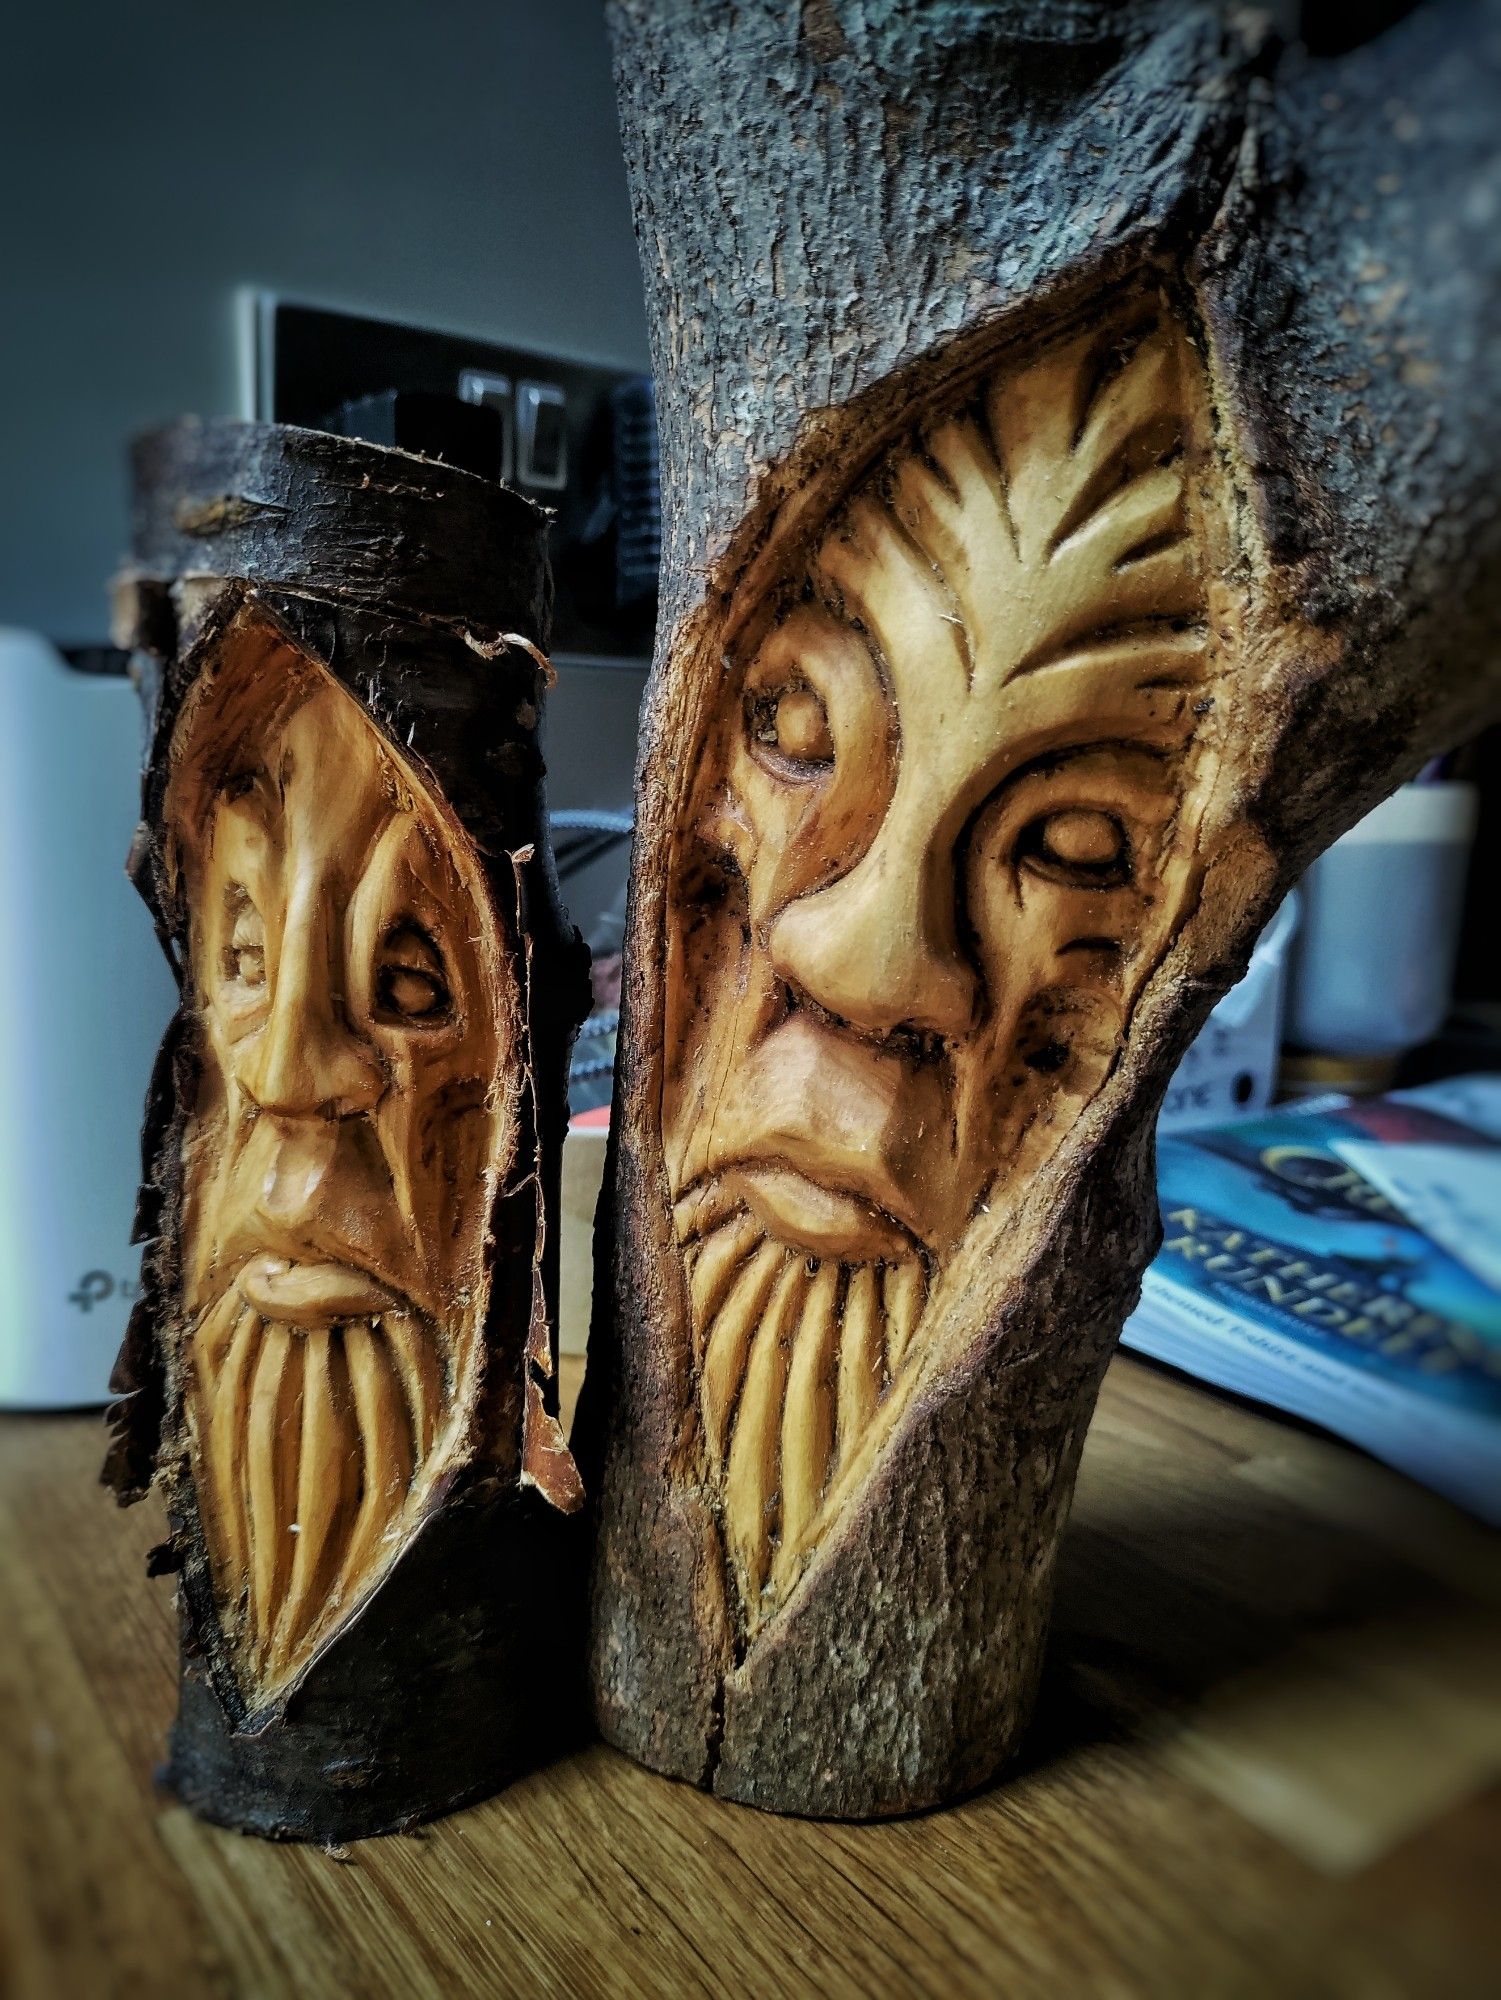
(341, 1370)
(944, 827)
(1080, 429)
(357, 1007)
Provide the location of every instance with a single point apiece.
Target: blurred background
(319, 222)
(179, 180)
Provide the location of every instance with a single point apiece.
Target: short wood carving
(357, 1009)
(1081, 453)
(341, 1362)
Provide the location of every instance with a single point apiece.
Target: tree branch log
(340, 1373)
(944, 856)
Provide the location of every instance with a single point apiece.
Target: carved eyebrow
(1136, 765)
(1176, 648)
(243, 786)
(1129, 747)
(1045, 525)
(238, 781)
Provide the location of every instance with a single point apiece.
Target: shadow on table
(1167, 1592)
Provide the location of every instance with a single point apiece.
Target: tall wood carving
(340, 1369)
(1081, 430)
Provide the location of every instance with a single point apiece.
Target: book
(1337, 1260)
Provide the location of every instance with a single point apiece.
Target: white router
(85, 993)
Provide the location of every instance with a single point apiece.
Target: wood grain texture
(1220, 1570)
(873, 234)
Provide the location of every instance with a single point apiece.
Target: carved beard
(795, 1354)
(311, 1444)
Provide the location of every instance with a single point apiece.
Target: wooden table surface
(1266, 1763)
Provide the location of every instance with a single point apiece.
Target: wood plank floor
(1267, 1762)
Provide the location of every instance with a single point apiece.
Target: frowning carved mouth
(837, 1146)
(311, 1295)
(810, 1215)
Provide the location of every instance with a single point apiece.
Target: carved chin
(309, 1445)
(795, 1354)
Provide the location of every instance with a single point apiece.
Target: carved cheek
(720, 825)
(1033, 936)
(1002, 930)
(1017, 950)
(444, 1138)
(1083, 937)
(433, 1123)
(781, 820)
(839, 829)
(451, 1145)
(800, 833)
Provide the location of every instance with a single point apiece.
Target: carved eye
(409, 980)
(1080, 848)
(794, 723)
(245, 957)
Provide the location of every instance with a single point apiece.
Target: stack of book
(1341, 1260)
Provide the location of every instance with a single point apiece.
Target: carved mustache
(810, 1100)
(306, 1277)
(805, 1201)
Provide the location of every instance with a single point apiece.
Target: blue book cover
(1288, 1274)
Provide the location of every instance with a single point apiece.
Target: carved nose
(879, 946)
(308, 1061)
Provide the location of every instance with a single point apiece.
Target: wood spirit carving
(977, 710)
(341, 1361)
(1081, 512)
(357, 1009)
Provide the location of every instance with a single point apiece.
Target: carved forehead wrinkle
(253, 688)
(869, 569)
(388, 875)
(809, 631)
(1046, 526)
(330, 756)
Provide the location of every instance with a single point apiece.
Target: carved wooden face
(356, 1013)
(943, 828)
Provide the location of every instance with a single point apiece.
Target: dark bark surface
(836, 204)
(422, 590)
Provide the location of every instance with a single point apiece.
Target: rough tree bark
(340, 1371)
(1080, 439)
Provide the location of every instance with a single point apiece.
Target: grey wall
(455, 165)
